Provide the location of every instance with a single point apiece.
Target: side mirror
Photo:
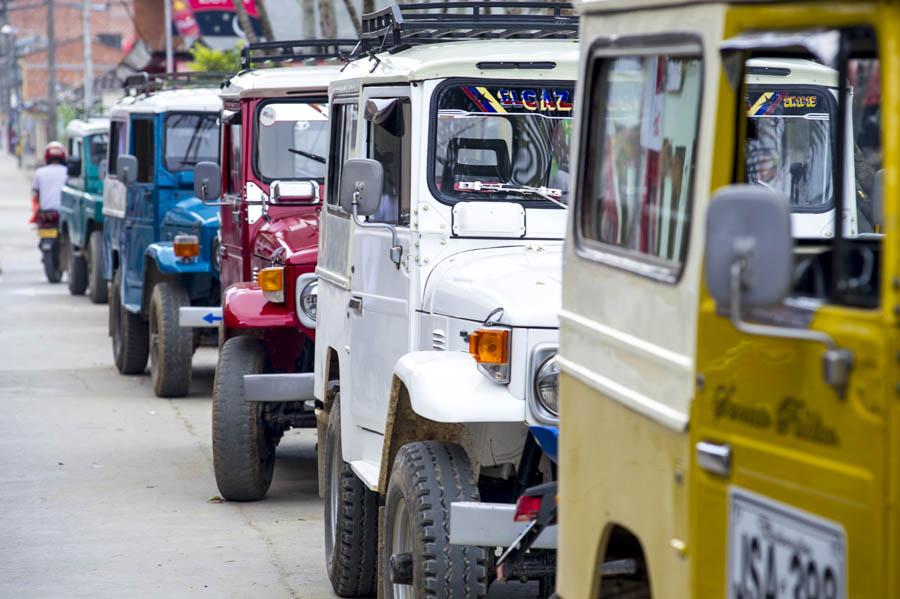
(126, 168)
(750, 262)
(748, 228)
(286, 192)
(207, 181)
(73, 167)
(362, 182)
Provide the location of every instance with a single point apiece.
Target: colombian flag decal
(765, 104)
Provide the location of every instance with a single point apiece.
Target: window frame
(405, 162)
(332, 187)
(165, 137)
(686, 45)
(116, 127)
(432, 135)
(227, 122)
(297, 99)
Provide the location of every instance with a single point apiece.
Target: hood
(289, 240)
(524, 280)
(192, 212)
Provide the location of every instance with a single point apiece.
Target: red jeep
(274, 141)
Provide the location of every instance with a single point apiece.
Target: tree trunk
(264, 20)
(308, 14)
(244, 21)
(326, 18)
(354, 16)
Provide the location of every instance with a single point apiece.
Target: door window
(144, 149)
(118, 145)
(389, 144)
(343, 138)
(639, 153)
(793, 109)
(235, 156)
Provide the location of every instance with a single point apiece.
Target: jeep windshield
(502, 141)
(291, 141)
(790, 141)
(191, 138)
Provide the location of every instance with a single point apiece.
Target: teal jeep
(81, 208)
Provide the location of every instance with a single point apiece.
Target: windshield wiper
(311, 156)
(551, 194)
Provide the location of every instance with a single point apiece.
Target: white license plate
(779, 552)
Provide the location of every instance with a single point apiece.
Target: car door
(379, 308)
(139, 208)
(791, 471)
(114, 193)
(233, 175)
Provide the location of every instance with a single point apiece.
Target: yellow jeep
(729, 390)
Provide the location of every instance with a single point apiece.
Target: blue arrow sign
(211, 318)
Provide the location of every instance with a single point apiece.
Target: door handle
(714, 457)
(355, 304)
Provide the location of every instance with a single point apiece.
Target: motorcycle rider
(46, 187)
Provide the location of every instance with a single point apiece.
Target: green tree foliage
(217, 61)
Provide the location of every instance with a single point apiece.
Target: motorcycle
(48, 241)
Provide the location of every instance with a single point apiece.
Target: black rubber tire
(171, 346)
(243, 452)
(625, 589)
(351, 543)
(97, 286)
(77, 272)
(51, 266)
(427, 477)
(130, 335)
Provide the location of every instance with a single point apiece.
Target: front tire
(243, 450)
(129, 334)
(97, 286)
(171, 346)
(78, 276)
(351, 520)
(426, 478)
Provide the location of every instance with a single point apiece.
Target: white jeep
(439, 285)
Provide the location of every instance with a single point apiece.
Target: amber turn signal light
(271, 281)
(490, 346)
(186, 246)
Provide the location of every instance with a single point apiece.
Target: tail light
(527, 508)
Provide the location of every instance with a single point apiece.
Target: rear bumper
(196, 317)
(491, 525)
(287, 387)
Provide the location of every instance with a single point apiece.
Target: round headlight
(309, 298)
(546, 385)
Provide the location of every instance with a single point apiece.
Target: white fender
(447, 387)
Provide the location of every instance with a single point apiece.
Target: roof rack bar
(398, 26)
(254, 55)
(147, 83)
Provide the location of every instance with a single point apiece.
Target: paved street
(106, 490)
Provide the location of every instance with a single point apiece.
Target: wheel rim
(401, 542)
(334, 492)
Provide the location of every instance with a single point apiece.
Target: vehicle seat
(455, 170)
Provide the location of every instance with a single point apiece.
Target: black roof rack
(256, 55)
(399, 26)
(147, 83)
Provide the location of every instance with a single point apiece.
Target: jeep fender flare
(434, 395)
(245, 307)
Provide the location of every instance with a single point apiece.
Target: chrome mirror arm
(836, 362)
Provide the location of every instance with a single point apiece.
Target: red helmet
(55, 150)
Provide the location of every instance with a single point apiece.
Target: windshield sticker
(267, 116)
(507, 100)
(767, 102)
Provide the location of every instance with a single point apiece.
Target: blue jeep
(160, 242)
(81, 208)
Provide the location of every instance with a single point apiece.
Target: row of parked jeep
(383, 236)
